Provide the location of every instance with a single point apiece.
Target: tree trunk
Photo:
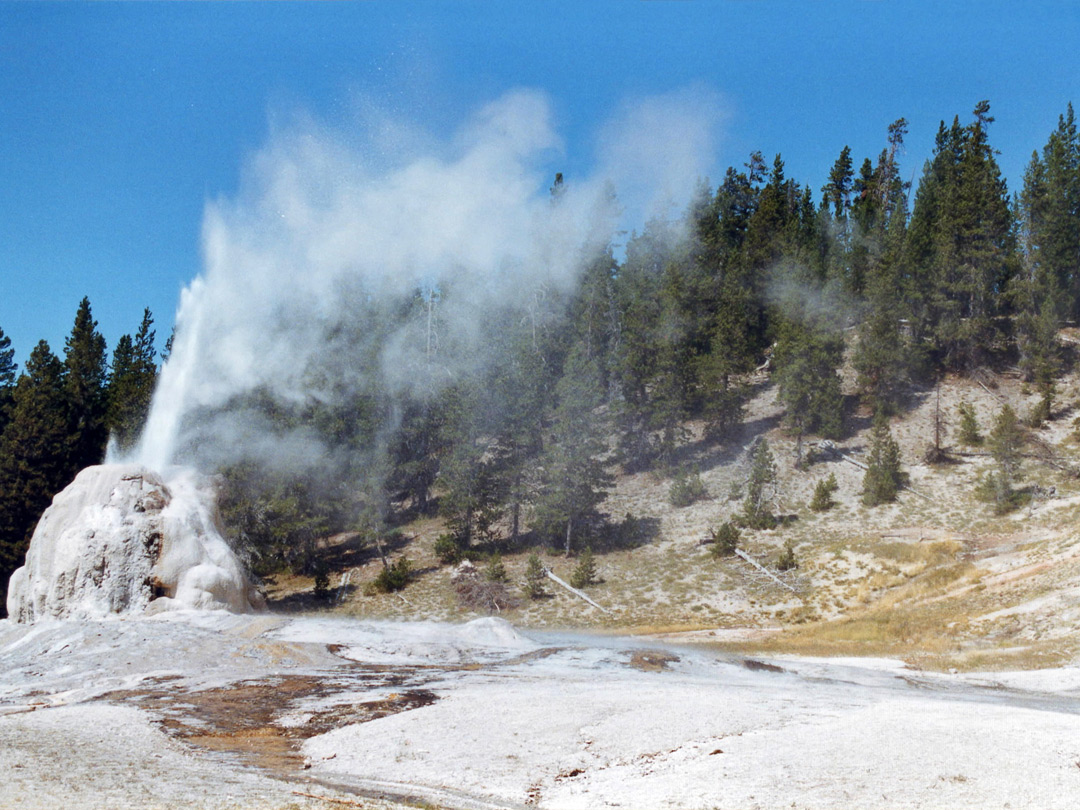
(382, 552)
(569, 524)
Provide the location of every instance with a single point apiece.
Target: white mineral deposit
(120, 539)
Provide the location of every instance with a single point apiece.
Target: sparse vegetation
(687, 489)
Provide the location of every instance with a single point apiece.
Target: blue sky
(119, 122)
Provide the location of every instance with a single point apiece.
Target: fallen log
(846, 457)
(1038, 456)
(743, 555)
(995, 395)
(574, 591)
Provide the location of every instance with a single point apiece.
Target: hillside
(936, 578)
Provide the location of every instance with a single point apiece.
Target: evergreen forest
(948, 275)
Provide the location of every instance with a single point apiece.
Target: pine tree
(724, 541)
(823, 492)
(969, 425)
(961, 249)
(130, 388)
(837, 192)
(573, 479)
(470, 498)
(760, 490)
(534, 577)
(1005, 442)
(768, 231)
(594, 316)
(835, 213)
(84, 382)
(1049, 212)
(882, 359)
(520, 386)
(883, 477)
(640, 357)
(34, 454)
(809, 385)
(8, 369)
(414, 453)
(584, 574)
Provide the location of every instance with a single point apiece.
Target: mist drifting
(329, 227)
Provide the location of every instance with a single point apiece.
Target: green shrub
(394, 577)
(495, 571)
(787, 561)
(1043, 408)
(724, 540)
(585, 572)
(996, 490)
(447, 549)
(823, 493)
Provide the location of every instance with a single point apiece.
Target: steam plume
(328, 226)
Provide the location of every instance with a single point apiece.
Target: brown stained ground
(652, 660)
(243, 719)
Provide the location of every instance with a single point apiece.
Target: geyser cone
(121, 539)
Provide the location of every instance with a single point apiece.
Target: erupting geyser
(329, 234)
(121, 539)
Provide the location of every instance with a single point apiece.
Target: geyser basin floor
(209, 711)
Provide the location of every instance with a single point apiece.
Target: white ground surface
(523, 719)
